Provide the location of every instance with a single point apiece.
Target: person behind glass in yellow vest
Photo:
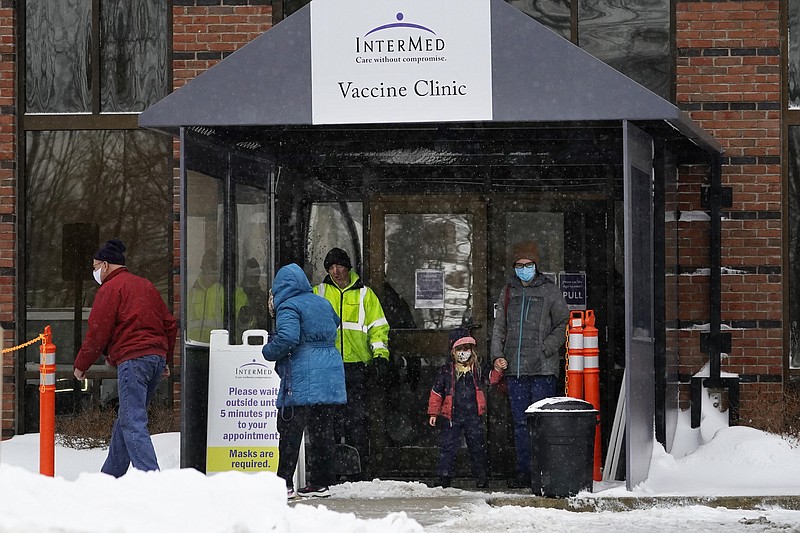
(254, 314)
(363, 341)
(206, 301)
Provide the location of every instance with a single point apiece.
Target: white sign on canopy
(400, 61)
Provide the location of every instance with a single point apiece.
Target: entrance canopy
(490, 105)
(537, 76)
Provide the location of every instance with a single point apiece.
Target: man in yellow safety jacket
(363, 341)
(206, 301)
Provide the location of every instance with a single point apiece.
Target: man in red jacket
(130, 325)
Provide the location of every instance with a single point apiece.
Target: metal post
(47, 405)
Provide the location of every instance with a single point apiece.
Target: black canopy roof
(537, 77)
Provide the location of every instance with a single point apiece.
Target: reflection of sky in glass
(133, 59)
(134, 63)
(555, 14)
(794, 54)
(57, 36)
(630, 35)
(432, 241)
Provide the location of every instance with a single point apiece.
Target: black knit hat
(112, 252)
(337, 256)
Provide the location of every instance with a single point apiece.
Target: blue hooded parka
(303, 345)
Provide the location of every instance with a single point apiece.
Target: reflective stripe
(592, 361)
(356, 340)
(576, 363)
(47, 379)
(575, 340)
(47, 358)
(379, 322)
(362, 313)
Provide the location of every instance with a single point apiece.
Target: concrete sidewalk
(425, 510)
(645, 502)
(430, 510)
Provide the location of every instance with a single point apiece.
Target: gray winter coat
(532, 331)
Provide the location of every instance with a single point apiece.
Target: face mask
(526, 274)
(96, 274)
(463, 357)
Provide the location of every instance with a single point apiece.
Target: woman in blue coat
(312, 378)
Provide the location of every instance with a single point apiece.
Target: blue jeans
(522, 392)
(130, 438)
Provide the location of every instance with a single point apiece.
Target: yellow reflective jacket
(364, 331)
(204, 310)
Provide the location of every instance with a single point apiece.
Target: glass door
(575, 241)
(427, 263)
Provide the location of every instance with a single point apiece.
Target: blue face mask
(526, 273)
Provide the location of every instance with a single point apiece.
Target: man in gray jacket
(527, 338)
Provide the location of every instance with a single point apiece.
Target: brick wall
(204, 32)
(8, 148)
(728, 80)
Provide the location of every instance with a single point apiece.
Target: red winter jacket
(440, 400)
(128, 320)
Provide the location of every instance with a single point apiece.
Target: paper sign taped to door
(573, 287)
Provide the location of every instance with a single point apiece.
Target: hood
(290, 281)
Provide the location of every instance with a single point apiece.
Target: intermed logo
(399, 24)
(253, 369)
(411, 43)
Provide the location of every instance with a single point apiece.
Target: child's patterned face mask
(463, 356)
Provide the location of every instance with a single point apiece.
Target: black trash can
(562, 446)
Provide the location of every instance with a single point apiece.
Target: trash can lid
(559, 403)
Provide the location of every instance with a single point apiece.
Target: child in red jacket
(456, 403)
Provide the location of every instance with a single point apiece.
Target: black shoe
(314, 491)
(519, 482)
(442, 481)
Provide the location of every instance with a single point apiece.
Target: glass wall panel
(133, 61)
(794, 245)
(429, 265)
(57, 56)
(252, 253)
(630, 35)
(204, 248)
(555, 14)
(671, 303)
(83, 188)
(333, 224)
